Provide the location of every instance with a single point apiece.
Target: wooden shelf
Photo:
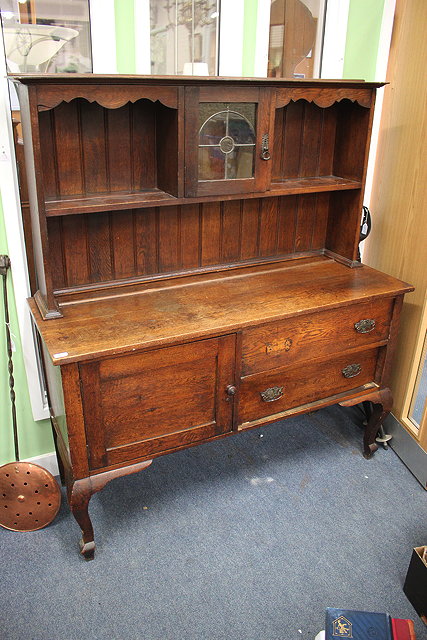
(67, 205)
(313, 185)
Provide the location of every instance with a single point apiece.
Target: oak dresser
(196, 245)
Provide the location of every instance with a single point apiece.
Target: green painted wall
(125, 36)
(35, 438)
(249, 37)
(363, 36)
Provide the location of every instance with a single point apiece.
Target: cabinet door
(143, 404)
(227, 140)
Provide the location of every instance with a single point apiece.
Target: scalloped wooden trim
(110, 97)
(324, 97)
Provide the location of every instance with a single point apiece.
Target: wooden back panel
(311, 141)
(102, 247)
(88, 149)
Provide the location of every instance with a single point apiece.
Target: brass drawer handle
(272, 394)
(351, 370)
(365, 326)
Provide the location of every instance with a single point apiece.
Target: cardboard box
(415, 587)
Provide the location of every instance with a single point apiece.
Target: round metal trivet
(30, 497)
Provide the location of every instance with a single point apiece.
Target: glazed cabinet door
(143, 404)
(227, 133)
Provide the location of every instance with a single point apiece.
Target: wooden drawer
(270, 393)
(142, 404)
(314, 335)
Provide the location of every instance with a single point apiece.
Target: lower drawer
(266, 394)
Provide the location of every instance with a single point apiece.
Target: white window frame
(334, 39)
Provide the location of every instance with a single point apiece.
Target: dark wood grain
(169, 238)
(302, 384)
(50, 169)
(325, 97)
(76, 250)
(74, 205)
(123, 246)
(311, 141)
(102, 267)
(113, 98)
(169, 175)
(209, 306)
(148, 401)
(68, 152)
(58, 265)
(230, 231)
(190, 250)
(250, 224)
(268, 227)
(303, 337)
(95, 163)
(133, 244)
(345, 211)
(146, 246)
(143, 150)
(320, 223)
(75, 421)
(353, 128)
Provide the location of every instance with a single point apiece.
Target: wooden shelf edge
(314, 185)
(97, 203)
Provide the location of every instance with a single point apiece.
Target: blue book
(357, 625)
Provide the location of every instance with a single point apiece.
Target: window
(183, 37)
(46, 36)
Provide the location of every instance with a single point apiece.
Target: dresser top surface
(91, 78)
(183, 309)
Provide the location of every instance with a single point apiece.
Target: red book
(402, 629)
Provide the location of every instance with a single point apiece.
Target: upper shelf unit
(109, 147)
(116, 147)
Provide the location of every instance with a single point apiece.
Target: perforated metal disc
(30, 497)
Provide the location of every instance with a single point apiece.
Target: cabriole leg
(81, 494)
(382, 403)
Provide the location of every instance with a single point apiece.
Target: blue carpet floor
(248, 538)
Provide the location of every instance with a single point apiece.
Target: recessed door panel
(142, 404)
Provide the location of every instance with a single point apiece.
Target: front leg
(81, 493)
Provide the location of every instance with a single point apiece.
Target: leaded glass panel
(226, 141)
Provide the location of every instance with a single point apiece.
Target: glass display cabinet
(228, 127)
